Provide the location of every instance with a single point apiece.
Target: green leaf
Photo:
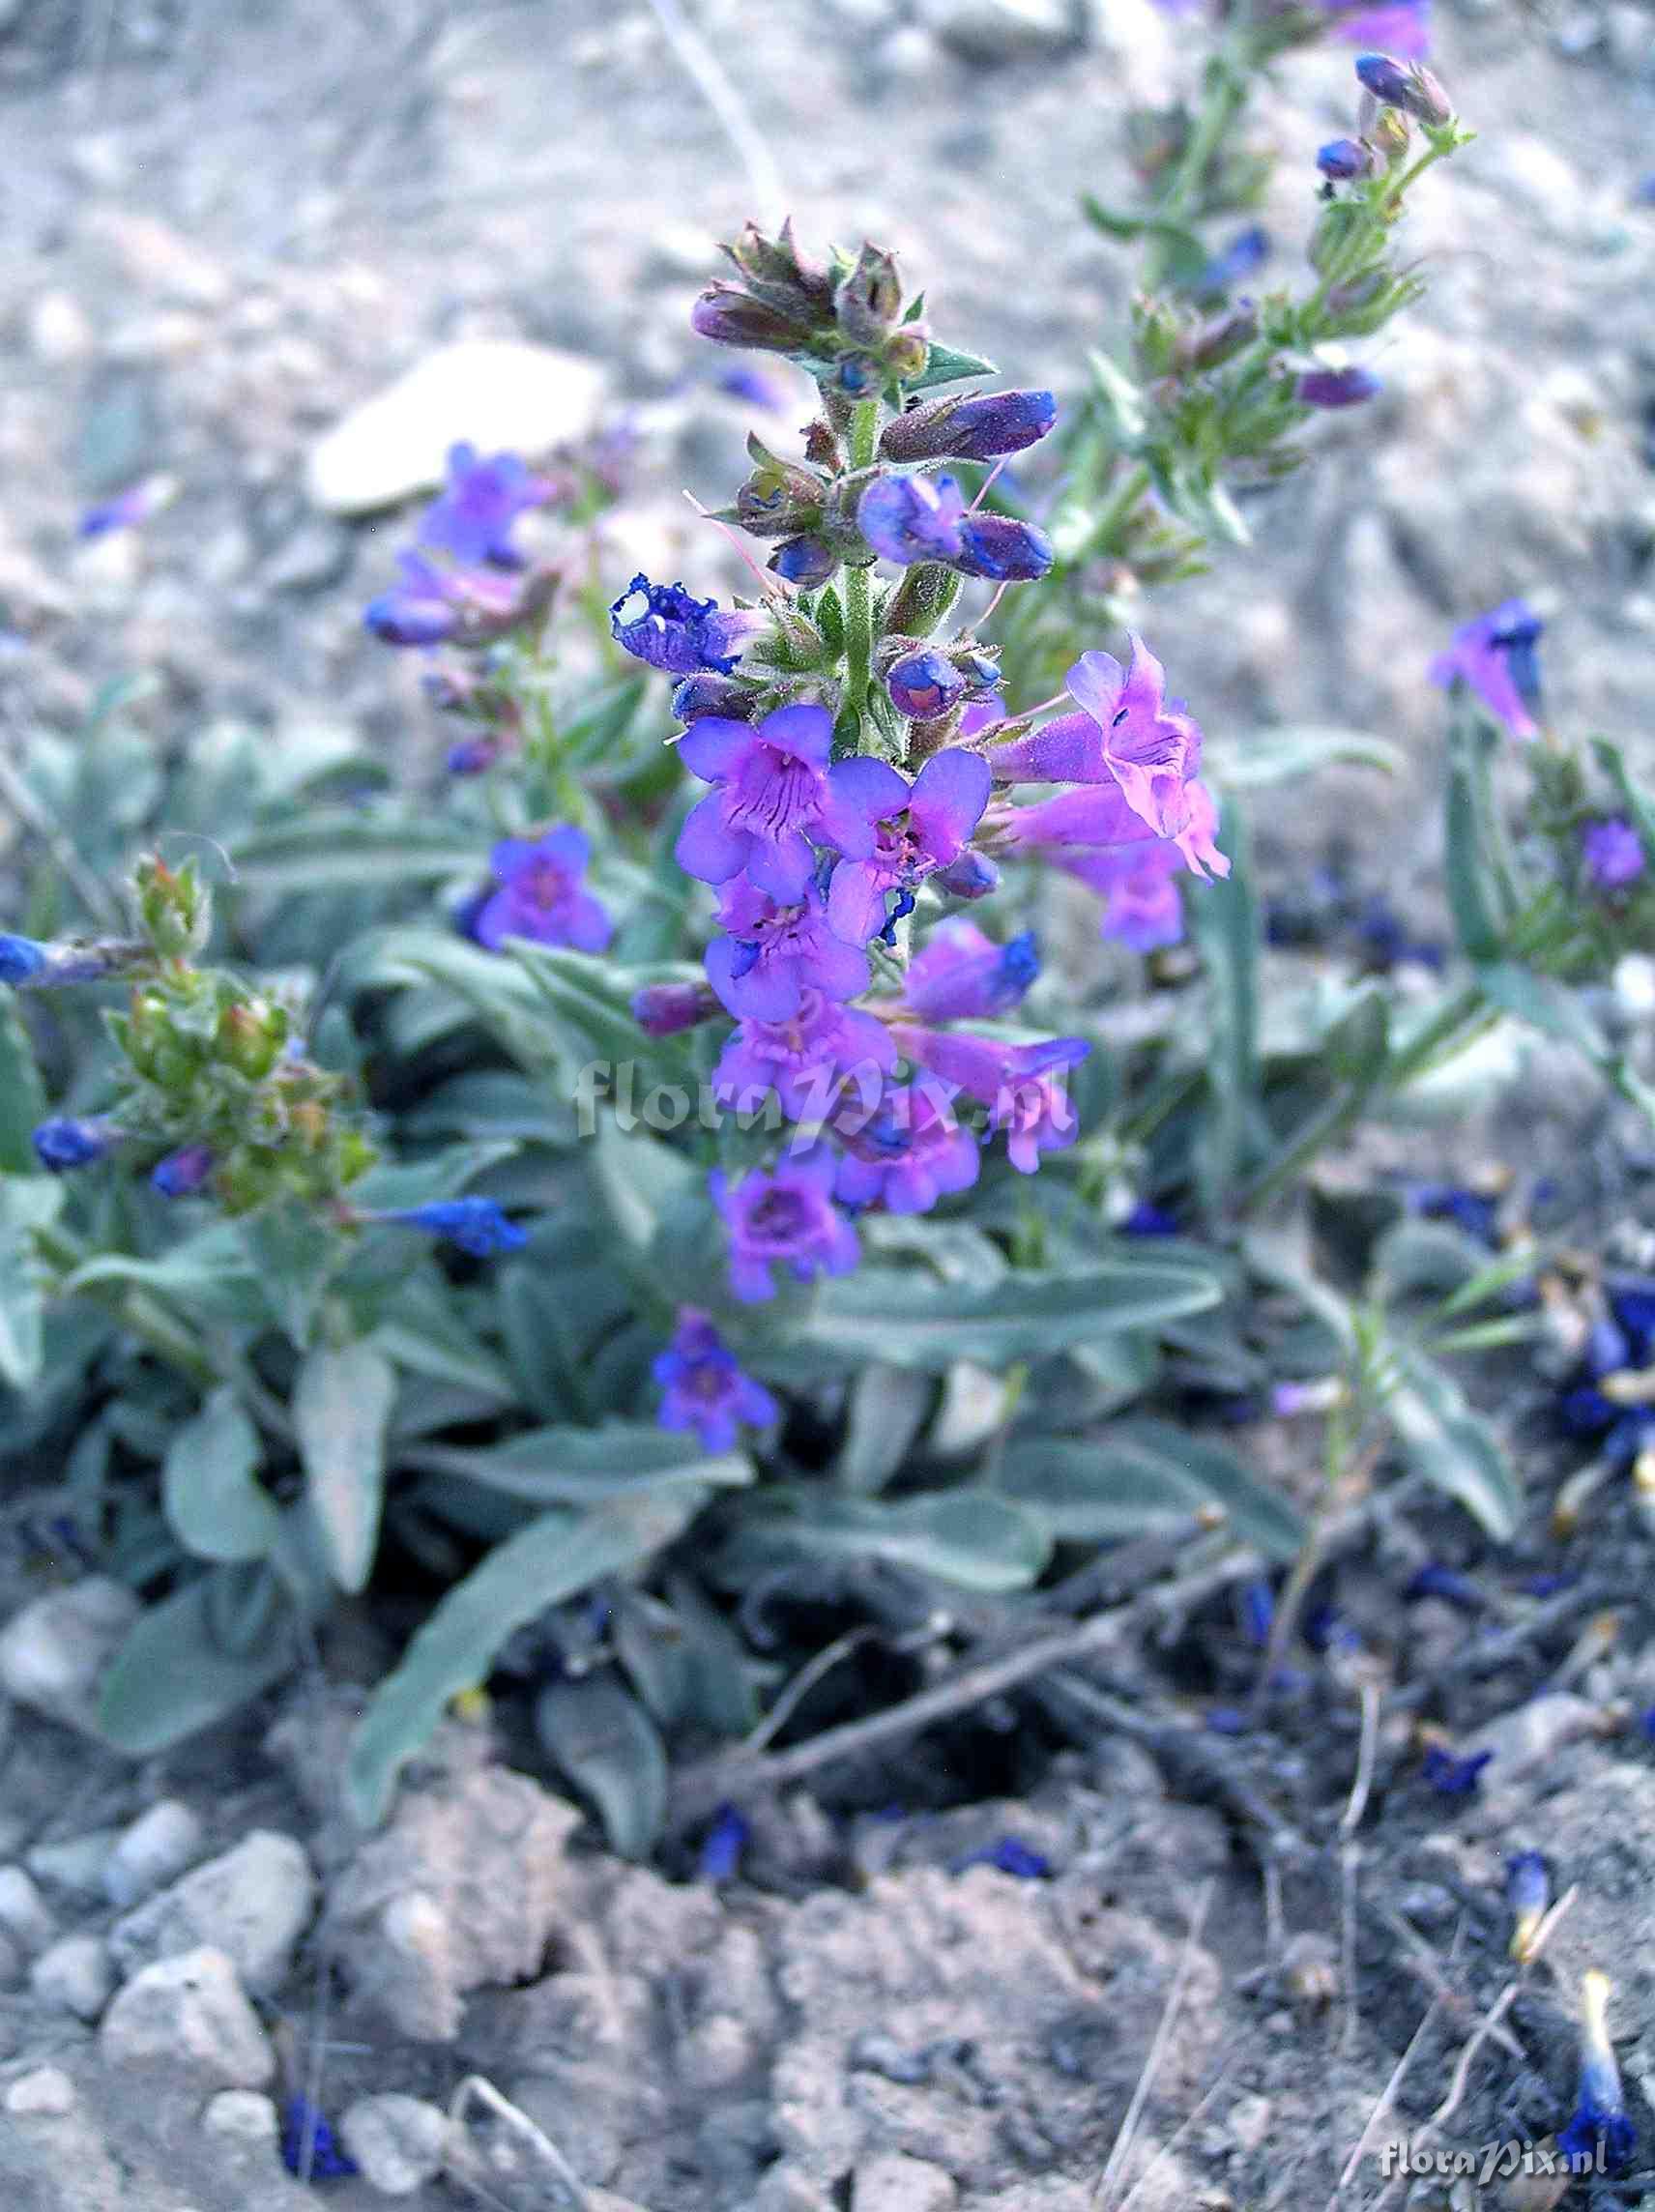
(555, 1557)
(1545, 1005)
(947, 364)
(210, 1274)
(589, 1466)
(887, 1407)
(1472, 899)
(350, 849)
(1287, 755)
(23, 1096)
(1637, 803)
(592, 733)
(638, 1180)
(1227, 932)
(887, 1313)
(611, 1751)
(971, 1537)
(173, 1675)
(1186, 255)
(342, 1411)
(1257, 1513)
(294, 1255)
(209, 1490)
(396, 1184)
(1434, 1259)
(423, 1331)
(1453, 1447)
(27, 1203)
(1082, 1492)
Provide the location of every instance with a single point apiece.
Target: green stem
(1122, 504)
(136, 1310)
(859, 583)
(1224, 98)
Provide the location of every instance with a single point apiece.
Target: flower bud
(710, 694)
(1412, 89)
(1212, 343)
(779, 497)
(1004, 548)
(907, 352)
(21, 960)
(1392, 136)
(975, 429)
(869, 300)
(175, 908)
(471, 756)
(856, 375)
(924, 685)
(971, 876)
(774, 271)
(181, 1173)
(1342, 160)
(251, 1037)
(729, 316)
(1337, 387)
(804, 561)
(662, 1009)
(923, 599)
(65, 1142)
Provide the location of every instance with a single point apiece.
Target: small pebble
(396, 2141)
(48, 2093)
(75, 1863)
(153, 1851)
(74, 1975)
(898, 2183)
(24, 1913)
(241, 2115)
(189, 2014)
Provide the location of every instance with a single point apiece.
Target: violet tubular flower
(807, 1062)
(181, 1173)
(770, 783)
(539, 894)
(704, 1387)
(909, 519)
(908, 1154)
(1599, 2121)
(1496, 659)
(665, 1009)
(892, 835)
(982, 428)
(785, 1219)
(664, 626)
(1527, 1892)
(962, 975)
(774, 952)
(1336, 388)
(478, 1226)
(68, 1142)
(1451, 1776)
(719, 1858)
(433, 604)
(1613, 853)
(23, 960)
(1018, 1082)
(473, 517)
(1003, 549)
(1008, 1855)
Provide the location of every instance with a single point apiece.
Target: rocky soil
(226, 229)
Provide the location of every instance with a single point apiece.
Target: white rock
(77, 1863)
(23, 1912)
(898, 2183)
(253, 1903)
(498, 392)
(1529, 1735)
(52, 1654)
(397, 2141)
(158, 258)
(48, 2093)
(190, 2015)
(241, 2115)
(74, 1976)
(1001, 30)
(11, 1962)
(154, 1851)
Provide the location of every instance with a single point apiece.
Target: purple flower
(1413, 90)
(787, 1218)
(1495, 656)
(678, 634)
(1599, 2120)
(805, 561)
(1343, 159)
(136, 504)
(770, 787)
(775, 952)
(756, 387)
(924, 684)
(892, 834)
(1337, 387)
(906, 1154)
(664, 1009)
(1127, 733)
(432, 603)
(181, 1173)
(1133, 873)
(308, 2145)
(477, 1224)
(710, 693)
(1009, 1855)
(1399, 26)
(720, 1855)
(1002, 547)
(980, 428)
(1452, 1777)
(1247, 250)
(981, 715)
(1613, 853)
(961, 974)
(1138, 884)
(473, 517)
(703, 1387)
(805, 1061)
(1018, 1082)
(65, 1142)
(539, 894)
(908, 519)
(1436, 1580)
(471, 756)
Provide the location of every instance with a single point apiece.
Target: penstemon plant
(659, 1192)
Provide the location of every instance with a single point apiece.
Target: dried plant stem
(1122, 2149)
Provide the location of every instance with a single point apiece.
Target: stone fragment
(74, 1975)
(48, 2093)
(253, 1903)
(153, 1851)
(396, 2141)
(54, 1653)
(189, 2014)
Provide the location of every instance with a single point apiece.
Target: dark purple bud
(1415, 89)
(1246, 251)
(731, 318)
(182, 1172)
(662, 1009)
(856, 376)
(1343, 159)
(913, 518)
(1004, 548)
(710, 694)
(975, 429)
(776, 273)
(971, 876)
(869, 300)
(473, 756)
(399, 618)
(924, 685)
(65, 1142)
(21, 959)
(1211, 344)
(1337, 387)
(804, 561)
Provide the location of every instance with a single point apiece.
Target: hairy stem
(859, 583)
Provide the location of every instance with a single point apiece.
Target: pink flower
(892, 834)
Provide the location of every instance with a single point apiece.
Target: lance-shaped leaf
(342, 1411)
(210, 1495)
